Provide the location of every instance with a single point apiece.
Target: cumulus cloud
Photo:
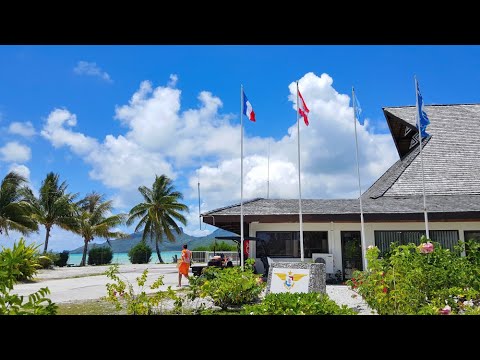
(15, 152)
(327, 154)
(203, 142)
(24, 129)
(21, 170)
(91, 69)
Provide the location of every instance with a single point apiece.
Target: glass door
(351, 253)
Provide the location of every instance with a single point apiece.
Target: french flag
(247, 108)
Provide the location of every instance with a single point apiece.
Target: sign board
(296, 277)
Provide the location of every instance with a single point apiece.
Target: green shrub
(62, 258)
(410, 280)
(297, 304)
(13, 304)
(122, 295)
(21, 261)
(47, 260)
(140, 253)
(100, 255)
(219, 246)
(229, 286)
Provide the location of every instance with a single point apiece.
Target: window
(287, 243)
(471, 235)
(447, 238)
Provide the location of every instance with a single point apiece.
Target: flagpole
(241, 178)
(268, 171)
(299, 183)
(199, 212)
(417, 119)
(362, 233)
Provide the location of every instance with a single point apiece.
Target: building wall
(334, 229)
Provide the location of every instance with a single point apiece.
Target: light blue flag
(422, 115)
(358, 110)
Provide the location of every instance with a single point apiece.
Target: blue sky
(107, 118)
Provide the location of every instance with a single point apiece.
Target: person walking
(184, 265)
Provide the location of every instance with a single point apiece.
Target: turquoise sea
(122, 258)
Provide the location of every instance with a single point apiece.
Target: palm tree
(53, 207)
(92, 220)
(159, 211)
(15, 212)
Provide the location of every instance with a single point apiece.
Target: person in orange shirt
(184, 264)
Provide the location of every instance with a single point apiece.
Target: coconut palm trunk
(47, 236)
(84, 256)
(158, 253)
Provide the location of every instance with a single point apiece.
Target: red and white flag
(302, 108)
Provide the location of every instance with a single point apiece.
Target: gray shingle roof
(451, 156)
(385, 204)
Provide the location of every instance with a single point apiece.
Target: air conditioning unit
(328, 261)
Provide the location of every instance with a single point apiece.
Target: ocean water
(122, 258)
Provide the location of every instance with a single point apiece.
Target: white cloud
(327, 155)
(21, 170)
(59, 239)
(91, 69)
(25, 129)
(15, 152)
(173, 80)
(162, 139)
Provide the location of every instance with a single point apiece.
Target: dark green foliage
(21, 261)
(140, 253)
(62, 259)
(219, 246)
(297, 304)
(100, 256)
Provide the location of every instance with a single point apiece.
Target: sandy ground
(86, 283)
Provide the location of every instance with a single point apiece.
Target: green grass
(87, 307)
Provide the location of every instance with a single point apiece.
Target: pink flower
(426, 248)
(385, 290)
(446, 310)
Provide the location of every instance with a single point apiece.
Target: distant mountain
(124, 245)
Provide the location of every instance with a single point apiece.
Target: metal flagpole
(268, 171)
(417, 119)
(199, 212)
(241, 179)
(362, 233)
(299, 183)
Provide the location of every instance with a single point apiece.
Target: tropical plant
(54, 206)
(100, 255)
(92, 220)
(15, 212)
(140, 253)
(297, 304)
(21, 261)
(62, 258)
(122, 294)
(230, 286)
(423, 279)
(158, 212)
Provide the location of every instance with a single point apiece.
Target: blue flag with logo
(422, 117)
(358, 109)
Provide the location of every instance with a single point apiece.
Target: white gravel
(343, 295)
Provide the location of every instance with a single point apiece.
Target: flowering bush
(423, 279)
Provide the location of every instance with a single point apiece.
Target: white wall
(334, 229)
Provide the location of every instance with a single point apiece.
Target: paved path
(66, 285)
(86, 283)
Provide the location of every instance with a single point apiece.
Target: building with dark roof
(392, 206)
